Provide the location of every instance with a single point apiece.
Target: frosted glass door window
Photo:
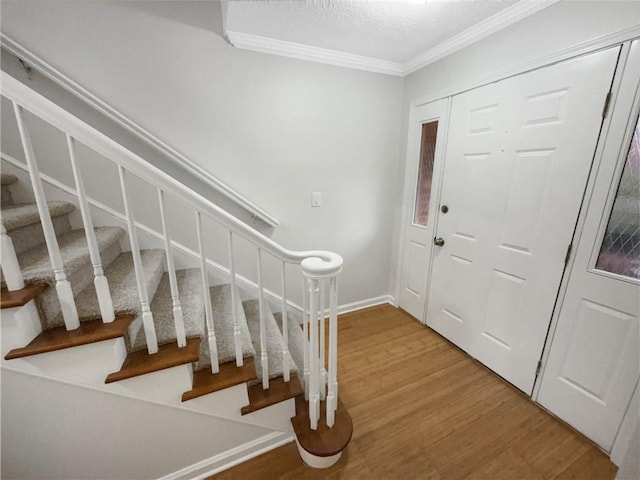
(425, 173)
(620, 250)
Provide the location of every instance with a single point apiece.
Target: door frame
(617, 129)
(408, 189)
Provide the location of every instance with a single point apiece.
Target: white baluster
(332, 398)
(63, 287)
(237, 336)
(99, 279)
(208, 308)
(305, 328)
(314, 370)
(10, 266)
(323, 368)
(286, 368)
(147, 316)
(178, 319)
(263, 334)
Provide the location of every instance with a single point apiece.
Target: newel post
(320, 272)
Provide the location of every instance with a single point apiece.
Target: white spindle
(63, 287)
(305, 328)
(286, 368)
(178, 319)
(237, 336)
(323, 368)
(208, 308)
(147, 316)
(332, 398)
(314, 370)
(10, 267)
(99, 279)
(264, 359)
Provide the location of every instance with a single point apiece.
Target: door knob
(438, 241)
(444, 209)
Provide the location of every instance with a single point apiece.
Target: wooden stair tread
(278, 391)
(205, 382)
(325, 441)
(59, 338)
(18, 298)
(168, 355)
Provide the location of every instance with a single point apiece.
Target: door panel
(518, 157)
(593, 363)
(424, 160)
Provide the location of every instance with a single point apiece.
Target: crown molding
(500, 20)
(257, 43)
(496, 22)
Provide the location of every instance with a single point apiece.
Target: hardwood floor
(421, 408)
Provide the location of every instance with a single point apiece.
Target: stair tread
(7, 179)
(59, 338)
(324, 441)
(35, 263)
(122, 284)
(278, 391)
(191, 301)
(223, 326)
(205, 382)
(168, 356)
(22, 215)
(18, 298)
(274, 340)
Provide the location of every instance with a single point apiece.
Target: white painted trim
(627, 427)
(490, 25)
(496, 22)
(584, 48)
(369, 302)
(232, 457)
(299, 51)
(114, 115)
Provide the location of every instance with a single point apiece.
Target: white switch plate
(316, 199)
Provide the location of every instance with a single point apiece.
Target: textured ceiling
(395, 31)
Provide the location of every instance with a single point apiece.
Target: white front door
(424, 164)
(517, 160)
(594, 363)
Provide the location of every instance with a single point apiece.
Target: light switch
(316, 199)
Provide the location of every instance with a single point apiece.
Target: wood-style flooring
(422, 408)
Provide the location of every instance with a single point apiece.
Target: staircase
(82, 286)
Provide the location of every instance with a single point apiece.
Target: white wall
(560, 26)
(273, 128)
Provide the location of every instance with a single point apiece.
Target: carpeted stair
(23, 226)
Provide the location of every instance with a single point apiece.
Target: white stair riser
(164, 386)
(32, 235)
(20, 325)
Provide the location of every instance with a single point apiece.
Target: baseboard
(232, 457)
(369, 302)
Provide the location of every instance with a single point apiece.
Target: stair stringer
(84, 368)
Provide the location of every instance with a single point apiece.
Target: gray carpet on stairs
(274, 342)
(23, 215)
(296, 336)
(191, 301)
(122, 284)
(223, 326)
(6, 180)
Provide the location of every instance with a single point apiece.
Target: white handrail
(147, 316)
(178, 319)
(63, 287)
(325, 263)
(100, 281)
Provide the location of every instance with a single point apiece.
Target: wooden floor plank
(421, 408)
(169, 355)
(60, 338)
(18, 298)
(205, 382)
(278, 391)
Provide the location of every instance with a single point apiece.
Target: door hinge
(605, 109)
(568, 255)
(538, 367)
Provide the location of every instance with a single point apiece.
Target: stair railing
(320, 268)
